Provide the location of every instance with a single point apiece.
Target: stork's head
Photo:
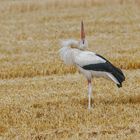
(83, 42)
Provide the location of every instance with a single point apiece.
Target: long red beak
(82, 31)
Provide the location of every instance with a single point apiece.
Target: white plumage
(86, 57)
(89, 63)
(80, 58)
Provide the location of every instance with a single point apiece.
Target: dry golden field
(40, 97)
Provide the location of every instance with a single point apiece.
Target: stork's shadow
(116, 100)
(122, 100)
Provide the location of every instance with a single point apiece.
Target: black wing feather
(107, 67)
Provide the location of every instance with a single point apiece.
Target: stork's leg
(89, 93)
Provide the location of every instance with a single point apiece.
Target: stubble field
(40, 97)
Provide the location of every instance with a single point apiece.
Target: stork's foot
(91, 108)
(91, 105)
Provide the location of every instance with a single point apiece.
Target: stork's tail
(118, 74)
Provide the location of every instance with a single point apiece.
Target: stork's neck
(67, 55)
(70, 48)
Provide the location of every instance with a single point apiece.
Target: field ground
(40, 97)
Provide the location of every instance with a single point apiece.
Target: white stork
(89, 63)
